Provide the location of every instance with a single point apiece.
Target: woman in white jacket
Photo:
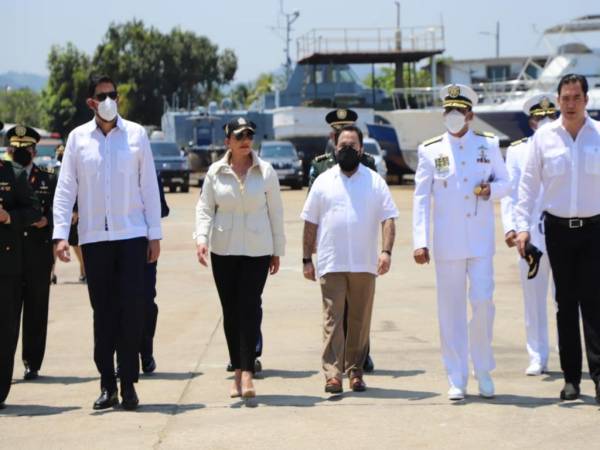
(240, 216)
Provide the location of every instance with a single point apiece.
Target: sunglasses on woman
(102, 95)
(244, 135)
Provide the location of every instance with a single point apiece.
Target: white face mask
(107, 109)
(543, 122)
(454, 121)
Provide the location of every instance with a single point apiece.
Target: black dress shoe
(2, 405)
(129, 398)
(368, 366)
(30, 374)
(107, 399)
(569, 392)
(230, 368)
(148, 365)
(257, 366)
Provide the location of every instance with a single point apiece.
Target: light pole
(290, 19)
(496, 35)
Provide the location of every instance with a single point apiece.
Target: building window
(498, 73)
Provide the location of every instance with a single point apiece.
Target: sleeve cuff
(154, 233)
(61, 232)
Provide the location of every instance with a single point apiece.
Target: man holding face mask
(342, 213)
(109, 169)
(541, 109)
(462, 171)
(38, 255)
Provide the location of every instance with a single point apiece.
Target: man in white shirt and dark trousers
(463, 172)
(342, 214)
(108, 168)
(541, 109)
(564, 160)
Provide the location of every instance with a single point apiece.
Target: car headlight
(297, 164)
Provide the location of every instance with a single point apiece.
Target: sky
(28, 28)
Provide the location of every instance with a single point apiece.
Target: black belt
(573, 222)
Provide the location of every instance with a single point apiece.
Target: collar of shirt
(337, 172)
(92, 125)
(455, 140)
(223, 163)
(558, 124)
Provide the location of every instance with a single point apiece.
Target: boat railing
(351, 40)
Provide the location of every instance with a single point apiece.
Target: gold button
(468, 214)
(466, 197)
(461, 147)
(7, 247)
(25, 233)
(463, 163)
(465, 179)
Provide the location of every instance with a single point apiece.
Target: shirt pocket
(555, 162)
(223, 221)
(592, 159)
(258, 222)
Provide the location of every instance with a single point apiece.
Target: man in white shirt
(462, 171)
(108, 168)
(540, 109)
(564, 160)
(342, 214)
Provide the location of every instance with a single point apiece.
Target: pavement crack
(175, 409)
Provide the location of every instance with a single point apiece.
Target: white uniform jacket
(516, 158)
(449, 169)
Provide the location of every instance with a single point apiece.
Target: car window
(371, 148)
(164, 149)
(277, 151)
(45, 150)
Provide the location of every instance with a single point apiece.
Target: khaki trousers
(346, 354)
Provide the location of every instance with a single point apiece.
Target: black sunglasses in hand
(102, 95)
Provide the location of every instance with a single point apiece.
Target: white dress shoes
(486, 385)
(455, 393)
(535, 369)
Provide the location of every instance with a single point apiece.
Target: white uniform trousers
(535, 294)
(457, 337)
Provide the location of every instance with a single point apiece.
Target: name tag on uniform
(483, 155)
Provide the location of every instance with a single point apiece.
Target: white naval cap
(540, 105)
(458, 96)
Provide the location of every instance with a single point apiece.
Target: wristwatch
(306, 260)
(387, 251)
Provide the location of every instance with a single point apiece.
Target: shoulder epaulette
(322, 157)
(46, 170)
(485, 134)
(517, 142)
(433, 140)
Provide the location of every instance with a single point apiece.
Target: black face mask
(59, 157)
(347, 158)
(22, 156)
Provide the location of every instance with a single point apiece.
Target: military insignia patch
(483, 155)
(341, 114)
(453, 91)
(545, 103)
(20, 130)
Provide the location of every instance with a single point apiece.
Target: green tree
(63, 98)
(386, 77)
(20, 106)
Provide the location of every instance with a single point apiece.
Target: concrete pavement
(185, 403)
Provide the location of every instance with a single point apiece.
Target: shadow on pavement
(46, 379)
(35, 410)
(396, 373)
(520, 401)
(291, 374)
(381, 393)
(170, 375)
(170, 409)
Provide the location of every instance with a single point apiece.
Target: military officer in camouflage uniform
(336, 119)
(37, 251)
(19, 208)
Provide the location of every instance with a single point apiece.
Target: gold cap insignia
(341, 114)
(453, 91)
(20, 131)
(545, 103)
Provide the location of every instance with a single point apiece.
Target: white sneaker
(534, 369)
(455, 393)
(486, 385)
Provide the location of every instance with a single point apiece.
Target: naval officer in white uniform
(541, 109)
(463, 171)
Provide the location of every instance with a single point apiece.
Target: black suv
(284, 159)
(172, 167)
